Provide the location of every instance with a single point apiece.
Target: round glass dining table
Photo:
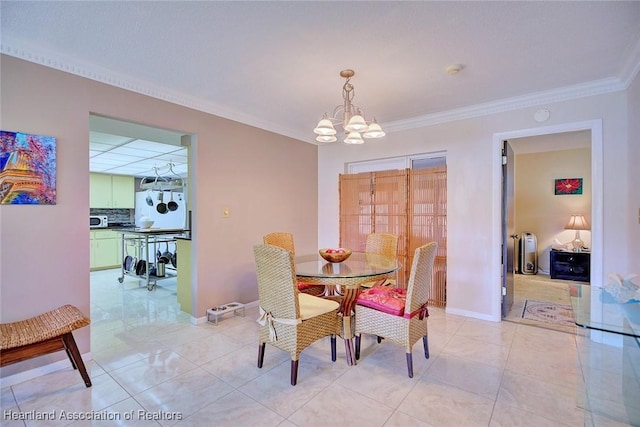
(343, 280)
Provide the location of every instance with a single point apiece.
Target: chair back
(420, 277)
(277, 289)
(382, 243)
(280, 239)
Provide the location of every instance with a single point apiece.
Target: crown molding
(509, 104)
(92, 72)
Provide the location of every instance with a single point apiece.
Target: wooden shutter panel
(428, 223)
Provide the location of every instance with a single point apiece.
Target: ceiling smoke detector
(454, 69)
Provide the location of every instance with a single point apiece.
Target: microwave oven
(98, 221)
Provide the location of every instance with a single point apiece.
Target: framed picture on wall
(568, 186)
(27, 168)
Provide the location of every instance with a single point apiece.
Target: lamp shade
(374, 131)
(354, 138)
(356, 124)
(325, 127)
(326, 138)
(577, 222)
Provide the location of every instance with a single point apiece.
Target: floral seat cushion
(384, 298)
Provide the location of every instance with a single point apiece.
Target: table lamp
(577, 222)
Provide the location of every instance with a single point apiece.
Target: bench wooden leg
(75, 357)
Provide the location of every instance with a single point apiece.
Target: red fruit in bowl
(340, 251)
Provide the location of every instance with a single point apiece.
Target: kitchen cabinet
(99, 190)
(104, 249)
(570, 265)
(123, 191)
(111, 191)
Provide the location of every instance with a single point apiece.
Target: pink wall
(268, 181)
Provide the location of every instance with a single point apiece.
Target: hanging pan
(141, 268)
(126, 263)
(162, 206)
(172, 206)
(148, 199)
(167, 256)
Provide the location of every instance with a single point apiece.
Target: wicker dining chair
(384, 244)
(396, 314)
(280, 239)
(290, 320)
(284, 240)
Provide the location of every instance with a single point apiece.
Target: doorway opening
(135, 153)
(551, 137)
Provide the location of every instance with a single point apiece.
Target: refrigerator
(171, 219)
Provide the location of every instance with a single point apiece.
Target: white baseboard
(472, 314)
(40, 371)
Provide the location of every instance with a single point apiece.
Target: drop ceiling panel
(152, 146)
(100, 147)
(127, 150)
(175, 157)
(107, 139)
(121, 155)
(103, 161)
(133, 170)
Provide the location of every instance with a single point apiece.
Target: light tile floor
(151, 367)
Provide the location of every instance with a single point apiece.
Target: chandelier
(349, 116)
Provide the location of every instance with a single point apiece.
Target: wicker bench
(44, 334)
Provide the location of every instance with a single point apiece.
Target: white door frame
(597, 201)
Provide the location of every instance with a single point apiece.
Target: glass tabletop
(359, 264)
(595, 308)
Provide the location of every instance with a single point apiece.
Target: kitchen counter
(150, 231)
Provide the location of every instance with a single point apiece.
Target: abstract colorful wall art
(568, 186)
(27, 169)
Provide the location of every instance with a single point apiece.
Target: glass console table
(595, 308)
(609, 356)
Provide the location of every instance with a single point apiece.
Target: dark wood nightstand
(570, 265)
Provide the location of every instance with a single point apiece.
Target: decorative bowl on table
(335, 255)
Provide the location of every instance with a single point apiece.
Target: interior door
(508, 227)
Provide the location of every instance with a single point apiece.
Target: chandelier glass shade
(350, 117)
